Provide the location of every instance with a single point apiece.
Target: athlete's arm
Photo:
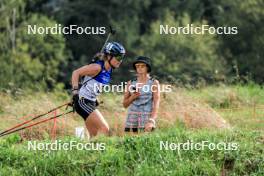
(87, 70)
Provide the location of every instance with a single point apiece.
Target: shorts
(85, 107)
(137, 119)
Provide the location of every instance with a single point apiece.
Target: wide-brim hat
(142, 59)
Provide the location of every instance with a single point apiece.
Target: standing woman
(142, 97)
(96, 75)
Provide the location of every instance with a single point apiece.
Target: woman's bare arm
(89, 70)
(128, 97)
(156, 99)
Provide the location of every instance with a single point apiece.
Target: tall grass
(127, 154)
(139, 155)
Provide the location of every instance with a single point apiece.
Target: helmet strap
(109, 62)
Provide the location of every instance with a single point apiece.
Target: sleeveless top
(92, 85)
(140, 109)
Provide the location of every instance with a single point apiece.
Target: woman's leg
(95, 123)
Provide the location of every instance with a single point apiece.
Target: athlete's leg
(95, 123)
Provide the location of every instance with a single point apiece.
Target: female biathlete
(95, 75)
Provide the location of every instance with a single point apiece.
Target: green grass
(246, 118)
(139, 155)
(241, 106)
(229, 96)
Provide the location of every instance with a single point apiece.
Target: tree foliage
(45, 60)
(28, 60)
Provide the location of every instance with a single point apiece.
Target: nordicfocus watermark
(66, 30)
(123, 86)
(203, 29)
(59, 145)
(203, 145)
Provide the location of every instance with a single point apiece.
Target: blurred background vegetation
(46, 61)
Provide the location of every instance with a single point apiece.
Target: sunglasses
(140, 65)
(119, 58)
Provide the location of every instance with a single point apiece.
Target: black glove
(96, 102)
(75, 99)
